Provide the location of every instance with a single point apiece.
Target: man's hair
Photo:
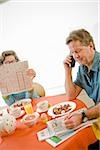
(8, 53)
(81, 35)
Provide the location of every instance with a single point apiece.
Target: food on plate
(61, 109)
(18, 105)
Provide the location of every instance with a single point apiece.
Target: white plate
(71, 107)
(21, 114)
(19, 103)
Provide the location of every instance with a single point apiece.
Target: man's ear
(91, 45)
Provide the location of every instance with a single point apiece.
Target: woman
(37, 91)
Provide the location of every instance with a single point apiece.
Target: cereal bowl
(30, 119)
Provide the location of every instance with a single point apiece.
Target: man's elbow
(70, 96)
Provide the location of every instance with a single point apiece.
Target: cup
(28, 107)
(42, 106)
(16, 112)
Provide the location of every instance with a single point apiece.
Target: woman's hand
(31, 73)
(73, 120)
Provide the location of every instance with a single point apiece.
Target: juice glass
(44, 117)
(28, 107)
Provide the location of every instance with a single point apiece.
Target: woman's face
(9, 59)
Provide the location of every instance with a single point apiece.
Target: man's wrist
(84, 116)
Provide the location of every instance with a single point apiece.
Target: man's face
(82, 54)
(9, 59)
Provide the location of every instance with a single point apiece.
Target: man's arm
(75, 119)
(93, 112)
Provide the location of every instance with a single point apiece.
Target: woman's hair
(81, 35)
(8, 53)
(0, 60)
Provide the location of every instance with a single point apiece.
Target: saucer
(21, 114)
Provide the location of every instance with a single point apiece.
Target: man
(82, 48)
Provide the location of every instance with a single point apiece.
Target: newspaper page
(56, 136)
(56, 140)
(14, 79)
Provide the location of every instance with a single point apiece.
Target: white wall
(37, 30)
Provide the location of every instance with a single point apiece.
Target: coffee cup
(16, 112)
(42, 106)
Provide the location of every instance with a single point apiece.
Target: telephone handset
(73, 61)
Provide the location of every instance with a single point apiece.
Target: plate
(61, 109)
(19, 104)
(20, 115)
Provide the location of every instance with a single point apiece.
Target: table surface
(25, 138)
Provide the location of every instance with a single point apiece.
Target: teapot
(7, 122)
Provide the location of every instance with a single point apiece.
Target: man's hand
(67, 62)
(73, 120)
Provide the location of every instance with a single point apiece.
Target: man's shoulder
(98, 52)
(97, 58)
(97, 55)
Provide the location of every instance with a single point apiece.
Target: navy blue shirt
(90, 81)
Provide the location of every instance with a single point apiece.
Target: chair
(39, 89)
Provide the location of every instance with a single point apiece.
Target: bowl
(30, 119)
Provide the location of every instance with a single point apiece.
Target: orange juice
(28, 108)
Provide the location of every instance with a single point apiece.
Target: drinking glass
(28, 107)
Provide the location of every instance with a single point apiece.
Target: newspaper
(56, 140)
(54, 127)
(56, 132)
(13, 78)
